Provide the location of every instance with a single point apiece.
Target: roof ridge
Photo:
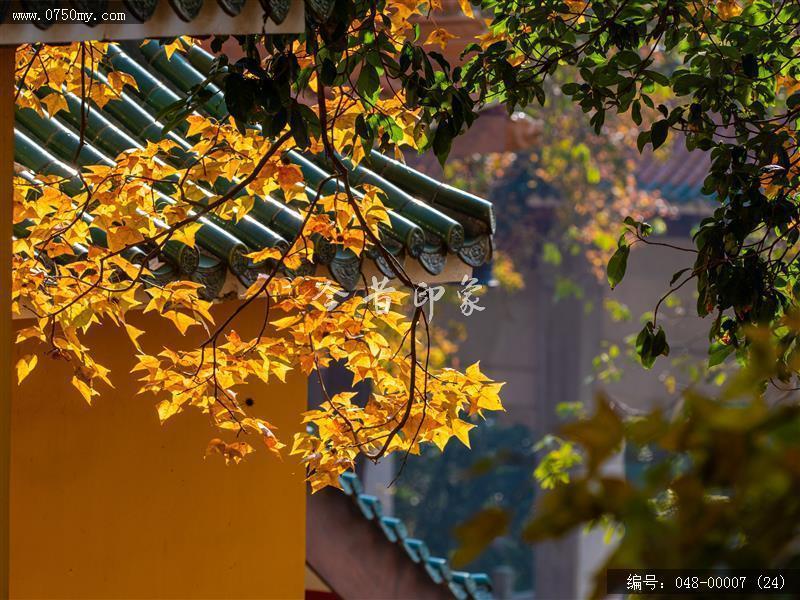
(462, 584)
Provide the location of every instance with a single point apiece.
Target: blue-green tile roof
(461, 584)
(675, 173)
(430, 222)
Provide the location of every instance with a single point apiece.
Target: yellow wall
(107, 503)
(6, 192)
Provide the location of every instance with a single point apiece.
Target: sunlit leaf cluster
(90, 241)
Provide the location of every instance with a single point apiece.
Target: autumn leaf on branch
(93, 239)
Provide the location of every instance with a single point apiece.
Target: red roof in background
(676, 172)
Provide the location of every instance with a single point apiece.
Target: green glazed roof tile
(429, 221)
(351, 484)
(417, 549)
(394, 528)
(465, 581)
(370, 506)
(461, 584)
(438, 570)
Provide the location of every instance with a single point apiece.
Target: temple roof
(349, 528)
(431, 223)
(676, 173)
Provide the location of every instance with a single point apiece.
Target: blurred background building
(556, 343)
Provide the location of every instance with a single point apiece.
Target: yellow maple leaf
(55, 102)
(234, 452)
(123, 236)
(181, 320)
(473, 372)
(461, 431)
(466, 8)
(117, 80)
(789, 85)
(288, 176)
(493, 35)
(489, 398)
(577, 10)
(134, 334)
(440, 36)
(187, 233)
(166, 409)
(25, 365)
(270, 441)
(728, 9)
(85, 390)
(176, 44)
(197, 124)
(265, 254)
(440, 438)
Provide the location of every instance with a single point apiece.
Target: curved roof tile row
(429, 221)
(461, 584)
(677, 174)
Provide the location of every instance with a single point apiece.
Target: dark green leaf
(369, 82)
(658, 133)
(617, 265)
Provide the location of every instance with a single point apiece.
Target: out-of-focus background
(551, 327)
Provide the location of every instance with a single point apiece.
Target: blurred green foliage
(721, 487)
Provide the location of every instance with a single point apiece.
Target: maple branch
(343, 173)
